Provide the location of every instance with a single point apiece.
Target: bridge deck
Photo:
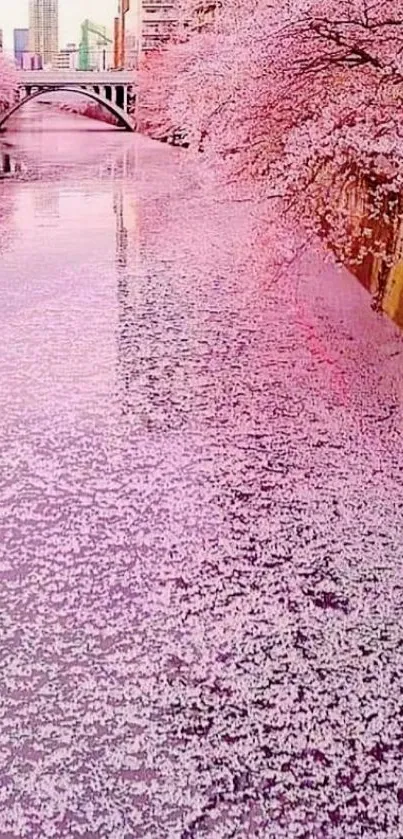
(54, 78)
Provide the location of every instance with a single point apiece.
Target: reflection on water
(200, 512)
(47, 141)
(10, 166)
(125, 311)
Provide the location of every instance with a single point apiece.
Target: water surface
(201, 512)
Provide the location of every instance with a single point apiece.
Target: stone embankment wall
(376, 248)
(88, 109)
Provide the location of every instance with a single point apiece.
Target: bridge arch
(123, 118)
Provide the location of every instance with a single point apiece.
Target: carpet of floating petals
(201, 600)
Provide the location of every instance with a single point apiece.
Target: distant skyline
(71, 15)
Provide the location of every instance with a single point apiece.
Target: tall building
(141, 26)
(44, 29)
(127, 34)
(21, 45)
(120, 34)
(159, 20)
(132, 35)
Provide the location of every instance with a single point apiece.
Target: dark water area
(9, 166)
(201, 622)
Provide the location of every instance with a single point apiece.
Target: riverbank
(372, 245)
(91, 110)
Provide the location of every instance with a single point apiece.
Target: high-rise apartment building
(141, 26)
(44, 29)
(21, 45)
(159, 19)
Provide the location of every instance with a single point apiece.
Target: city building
(30, 61)
(120, 34)
(141, 26)
(96, 47)
(67, 58)
(21, 45)
(127, 34)
(158, 21)
(205, 13)
(44, 30)
(132, 35)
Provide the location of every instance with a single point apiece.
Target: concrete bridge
(112, 89)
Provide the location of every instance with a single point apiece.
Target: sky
(14, 15)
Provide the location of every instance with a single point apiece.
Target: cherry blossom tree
(296, 85)
(165, 74)
(155, 87)
(8, 83)
(302, 99)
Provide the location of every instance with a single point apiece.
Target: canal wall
(85, 109)
(91, 110)
(373, 250)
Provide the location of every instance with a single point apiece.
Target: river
(201, 623)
